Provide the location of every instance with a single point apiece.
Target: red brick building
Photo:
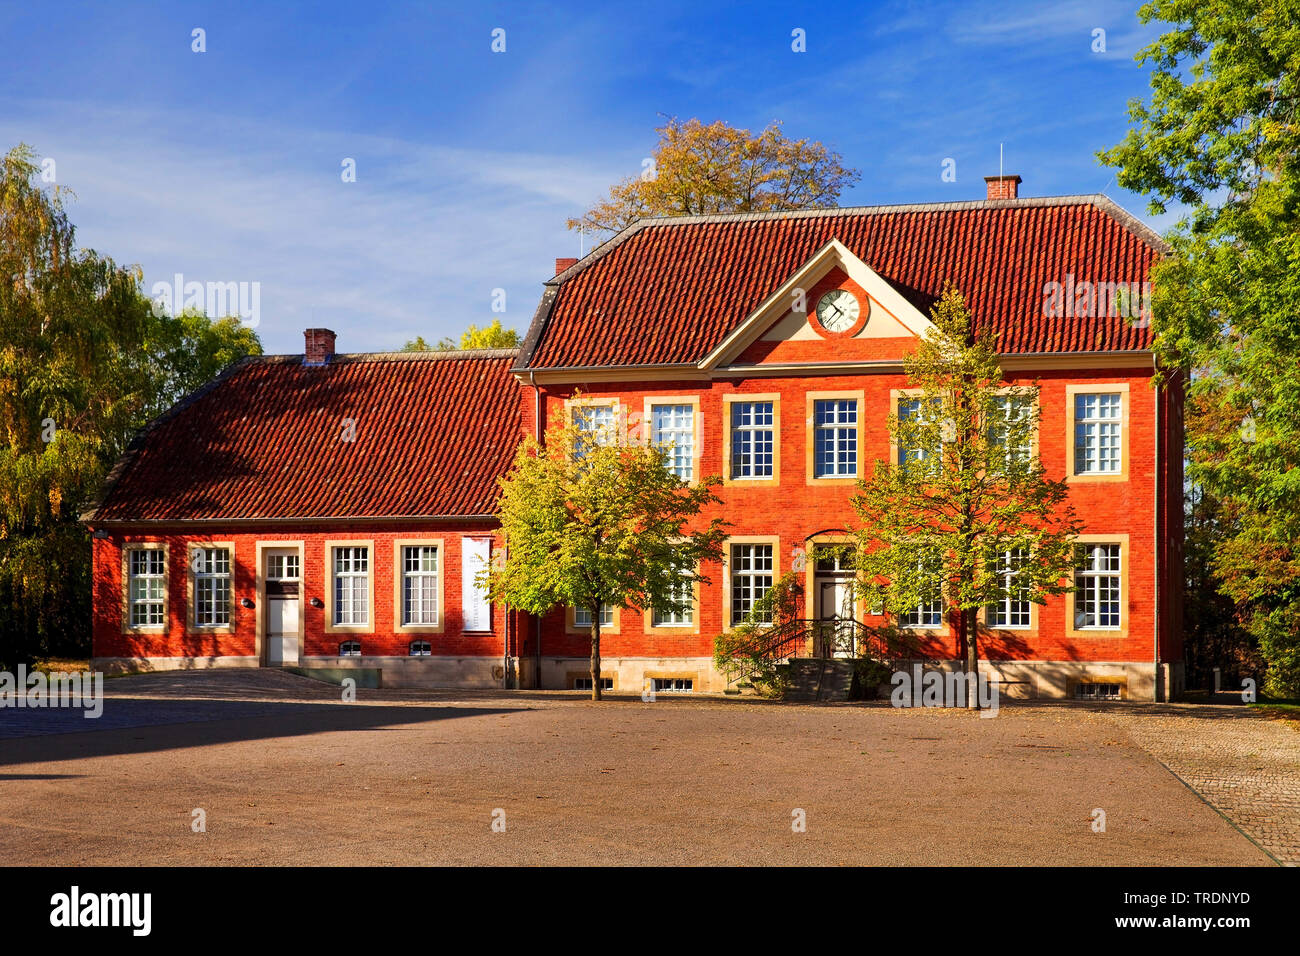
(767, 349)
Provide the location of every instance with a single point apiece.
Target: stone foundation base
(1034, 680)
(1026, 680)
(431, 672)
(630, 675)
(145, 665)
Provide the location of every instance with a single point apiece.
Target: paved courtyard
(284, 772)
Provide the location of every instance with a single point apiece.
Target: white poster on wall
(476, 612)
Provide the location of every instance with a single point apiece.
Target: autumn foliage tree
(592, 518)
(1220, 136)
(84, 360)
(699, 168)
(963, 515)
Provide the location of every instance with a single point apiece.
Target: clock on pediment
(838, 312)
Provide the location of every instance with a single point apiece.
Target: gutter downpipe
(537, 621)
(1161, 464)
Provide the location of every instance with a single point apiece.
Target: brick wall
(382, 638)
(792, 511)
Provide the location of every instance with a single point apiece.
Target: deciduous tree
(593, 519)
(84, 360)
(699, 168)
(964, 513)
(1220, 135)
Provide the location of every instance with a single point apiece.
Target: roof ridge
(1099, 200)
(289, 358)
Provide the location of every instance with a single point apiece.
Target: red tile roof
(668, 291)
(433, 433)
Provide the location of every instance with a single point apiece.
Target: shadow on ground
(164, 724)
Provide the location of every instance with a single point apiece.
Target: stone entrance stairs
(814, 678)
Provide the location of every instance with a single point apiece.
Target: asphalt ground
(286, 772)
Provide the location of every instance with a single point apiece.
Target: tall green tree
(1220, 136)
(84, 361)
(963, 515)
(594, 519)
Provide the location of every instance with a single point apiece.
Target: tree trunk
(972, 658)
(595, 652)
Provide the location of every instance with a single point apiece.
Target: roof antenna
(581, 237)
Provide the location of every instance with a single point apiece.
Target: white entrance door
(835, 614)
(281, 578)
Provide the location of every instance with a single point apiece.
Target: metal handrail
(821, 638)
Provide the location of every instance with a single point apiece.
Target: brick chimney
(562, 264)
(1002, 187)
(320, 346)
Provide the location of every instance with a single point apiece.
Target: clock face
(838, 310)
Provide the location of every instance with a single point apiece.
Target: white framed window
(420, 584)
(582, 616)
(282, 567)
(1014, 608)
(147, 587)
(912, 410)
(751, 578)
(1096, 690)
(928, 613)
(596, 421)
(682, 593)
(753, 439)
(350, 649)
(835, 453)
(672, 685)
(1098, 590)
(672, 428)
(584, 683)
(421, 649)
(1008, 409)
(210, 568)
(351, 585)
(1098, 433)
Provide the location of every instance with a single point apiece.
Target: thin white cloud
(416, 246)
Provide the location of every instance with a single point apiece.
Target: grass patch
(66, 665)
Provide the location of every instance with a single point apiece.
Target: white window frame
(843, 435)
(742, 467)
(158, 602)
(425, 580)
(903, 455)
(203, 577)
(677, 440)
(918, 618)
(337, 621)
(685, 618)
(1096, 432)
(748, 576)
(582, 618)
(1010, 614)
(1090, 586)
(1007, 405)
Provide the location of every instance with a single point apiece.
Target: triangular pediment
(784, 327)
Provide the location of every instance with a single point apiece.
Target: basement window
(421, 649)
(672, 685)
(584, 683)
(350, 649)
(1097, 691)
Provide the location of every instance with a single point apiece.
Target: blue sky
(225, 165)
